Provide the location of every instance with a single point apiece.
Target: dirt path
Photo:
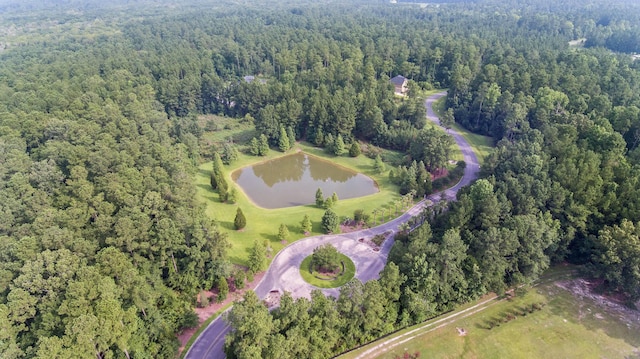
(389, 344)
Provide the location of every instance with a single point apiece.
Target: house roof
(398, 80)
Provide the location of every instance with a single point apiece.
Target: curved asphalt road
(283, 274)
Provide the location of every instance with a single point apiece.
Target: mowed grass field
(263, 224)
(567, 326)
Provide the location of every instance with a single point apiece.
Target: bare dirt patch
(351, 226)
(613, 305)
(273, 299)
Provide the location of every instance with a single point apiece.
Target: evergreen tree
(240, 221)
(254, 147)
(257, 257)
(233, 196)
(319, 198)
(213, 180)
(283, 232)
(354, 150)
(338, 146)
(263, 148)
(328, 203)
(334, 198)
(329, 142)
(291, 136)
(229, 153)
(318, 138)
(330, 222)
(283, 140)
(306, 225)
(240, 279)
(378, 165)
(223, 289)
(223, 189)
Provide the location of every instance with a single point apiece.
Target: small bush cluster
(451, 178)
(513, 314)
(378, 239)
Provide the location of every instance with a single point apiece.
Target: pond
(292, 180)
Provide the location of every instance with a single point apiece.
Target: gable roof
(398, 80)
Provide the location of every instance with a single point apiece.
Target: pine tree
(283, 232)
(330, 222)
(319, 198)
(283, 140)
(229, 153)
(233, 195)
(354, 150)
(378, 164)
(328, 203)
(306, 225)
(334, 198)
(292, 137)
(318, 138)
(338, 146)
(254, 147)
(240, 221)
(213, 180)
(328, 142)
(257, 257)
(263, 147)
(223, 189)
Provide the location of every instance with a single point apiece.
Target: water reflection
(292, 180)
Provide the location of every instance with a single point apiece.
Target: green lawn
(263, 224)
(566, 327)
(349, 273)
(482, 145)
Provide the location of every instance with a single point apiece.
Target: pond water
(292, 180)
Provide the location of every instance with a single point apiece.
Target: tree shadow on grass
(270, 237)
(227, 225)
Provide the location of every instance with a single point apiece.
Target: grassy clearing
(565, 327)
(346, 276)
(221, 128)
(482, 145)
(263, 224)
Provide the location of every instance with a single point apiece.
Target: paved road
(283, 274)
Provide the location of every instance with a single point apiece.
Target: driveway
(283, 274)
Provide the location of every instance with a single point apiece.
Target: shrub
(354, 150)
(325, 257)
(330, 222)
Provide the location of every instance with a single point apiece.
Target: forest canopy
(99, 142)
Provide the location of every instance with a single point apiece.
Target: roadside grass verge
(565, 327)
(481, 145)
(263, 224)
(201, 328)
(342, 279)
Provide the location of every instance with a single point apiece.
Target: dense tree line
(103, 246)
(99, 227)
